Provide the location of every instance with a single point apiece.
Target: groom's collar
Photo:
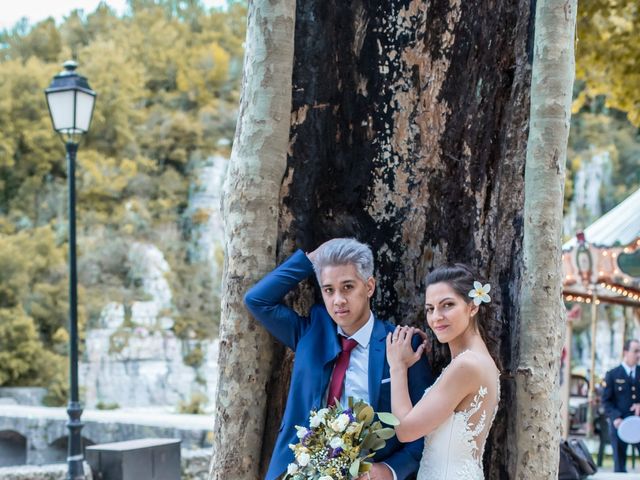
(362, 336)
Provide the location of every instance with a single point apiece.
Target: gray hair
(345, 251)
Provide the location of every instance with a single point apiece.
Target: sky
(35, 10)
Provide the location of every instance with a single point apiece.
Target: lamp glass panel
(61, 108)
(84, 109)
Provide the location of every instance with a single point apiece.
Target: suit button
(633, 388)
(633, 397)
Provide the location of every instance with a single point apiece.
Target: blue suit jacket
(315, 342)
(620, 392)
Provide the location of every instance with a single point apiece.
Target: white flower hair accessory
(480, 293)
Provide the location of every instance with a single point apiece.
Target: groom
(340, 348)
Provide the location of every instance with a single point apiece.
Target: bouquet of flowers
(339, 441)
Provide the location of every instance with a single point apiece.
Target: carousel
(601, 266)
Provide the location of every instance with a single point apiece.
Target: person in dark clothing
(621, 399)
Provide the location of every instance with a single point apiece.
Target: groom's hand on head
(379, 471)
(311, 255)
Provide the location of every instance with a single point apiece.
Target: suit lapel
(328, 348)
(376, 361)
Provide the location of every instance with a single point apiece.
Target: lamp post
(70, 101)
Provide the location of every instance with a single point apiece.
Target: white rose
(326, 477)
(353, 426)
(323, 412)
(340, 423)
(336, 442)
(292, 468)
(303, 459)
(315, 421)
(301, 432)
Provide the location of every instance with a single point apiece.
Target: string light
(622, 289)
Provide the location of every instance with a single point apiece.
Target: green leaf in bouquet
(357, 406)
(352, 454)
(386, 433)
(365, 467)
(354, 469)
(377, 444)
(339, 407)
(366, 415)
(357, 430)
(368, 441)
(388, 418)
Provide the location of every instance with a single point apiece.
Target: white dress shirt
(627, 369)
(356, 380)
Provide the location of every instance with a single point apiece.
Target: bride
(456, 412)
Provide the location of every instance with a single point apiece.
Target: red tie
(337, 378)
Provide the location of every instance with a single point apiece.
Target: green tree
(608, 54)
(167, 77)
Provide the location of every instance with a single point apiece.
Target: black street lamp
(71, 101)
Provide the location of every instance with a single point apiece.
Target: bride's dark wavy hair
(460, 278)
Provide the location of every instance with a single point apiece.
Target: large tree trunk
(542, 311)
(409, 132)
(251, 194)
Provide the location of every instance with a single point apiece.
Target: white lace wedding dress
(454, 450)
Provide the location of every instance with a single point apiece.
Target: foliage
(167, 77)
(22, 355)
(607, 100)
(195, 357)
(107, 405)
(195, 405)
(608, 54)
(594, 132)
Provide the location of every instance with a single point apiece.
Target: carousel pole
(584, 261)
(592, 373)
(566, 380)
(625, 315)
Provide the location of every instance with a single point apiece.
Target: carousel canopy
(618, 227)
(602, 264)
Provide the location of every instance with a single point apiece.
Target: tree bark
(543, 316)
(408, 132)
(257, 164)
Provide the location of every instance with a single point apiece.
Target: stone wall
(22, 395)
(45, 472)
(141, 362)
(133, 358)
(149, 370)
(44, 433)
(194, 466)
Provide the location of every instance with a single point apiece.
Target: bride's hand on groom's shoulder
(400, 353)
